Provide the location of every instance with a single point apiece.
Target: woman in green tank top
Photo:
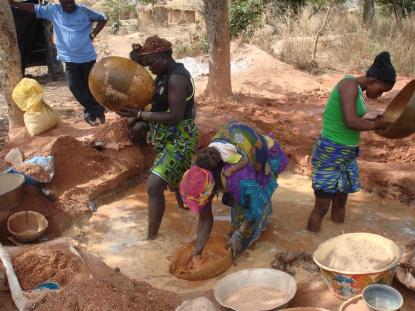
(335, 170)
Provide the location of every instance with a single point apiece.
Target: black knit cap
(382, 68)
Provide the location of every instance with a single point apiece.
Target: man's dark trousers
(77, 77)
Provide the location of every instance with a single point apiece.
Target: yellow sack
(27, 94)
(40, 120)
(38, 117)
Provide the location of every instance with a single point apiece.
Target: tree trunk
(396, 13)
(368, 12)
(217, 25)
(10, 71)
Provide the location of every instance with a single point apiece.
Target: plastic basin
(347, 284)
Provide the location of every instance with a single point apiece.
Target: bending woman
(171, 119)
(335, 170)
(246, 191)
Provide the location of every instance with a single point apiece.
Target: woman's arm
(235, 241)
(349, 90)
(177, 102)
(204, 228)
(236, 167)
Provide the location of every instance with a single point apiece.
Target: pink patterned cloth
(196, 188)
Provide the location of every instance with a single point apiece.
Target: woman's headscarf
(155, 44)
(382, 68)
(196, 188)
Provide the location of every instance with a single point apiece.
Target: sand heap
(86, 282)
(114, 135)
(76, 163)
(358, 255)
(78, 170)
(38, 265)
(103, 295)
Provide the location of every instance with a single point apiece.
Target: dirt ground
(269, 94)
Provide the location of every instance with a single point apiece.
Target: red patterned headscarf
(196, 187)
(155, 44)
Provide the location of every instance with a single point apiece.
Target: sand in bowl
(358, 255)
(214, 260)
(256, 297)
(33, 170)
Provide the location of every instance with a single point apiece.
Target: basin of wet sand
(214, 260)
(117, 234)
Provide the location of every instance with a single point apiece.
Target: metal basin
(117, 83)
(272, 278)
(401, 112)
(27, 226)
(11, 189)
(382, 298)
(305, 309)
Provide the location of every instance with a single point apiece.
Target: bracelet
(139, 114)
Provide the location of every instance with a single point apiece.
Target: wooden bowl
(210, 269)
(401, 112)
(117, 83)
(27, 226)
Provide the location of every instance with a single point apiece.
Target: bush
(245, 16)
(115, 9)
(403, 8)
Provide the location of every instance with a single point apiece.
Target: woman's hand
(195, 262)
(235, 243)
(128, 112)
(381, 125)
(145, 115)
(375, 118)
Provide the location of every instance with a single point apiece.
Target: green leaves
(245, 17)
(114, 9)
(403, 7)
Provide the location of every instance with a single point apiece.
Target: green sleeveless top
(334, 126)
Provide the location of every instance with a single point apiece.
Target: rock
(14, 157)
(290, 262)
(406, 271)
(198, 304)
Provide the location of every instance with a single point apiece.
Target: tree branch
(326, 19)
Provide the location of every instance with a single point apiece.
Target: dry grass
(195, 44)
(263, 38)
(345, 44)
